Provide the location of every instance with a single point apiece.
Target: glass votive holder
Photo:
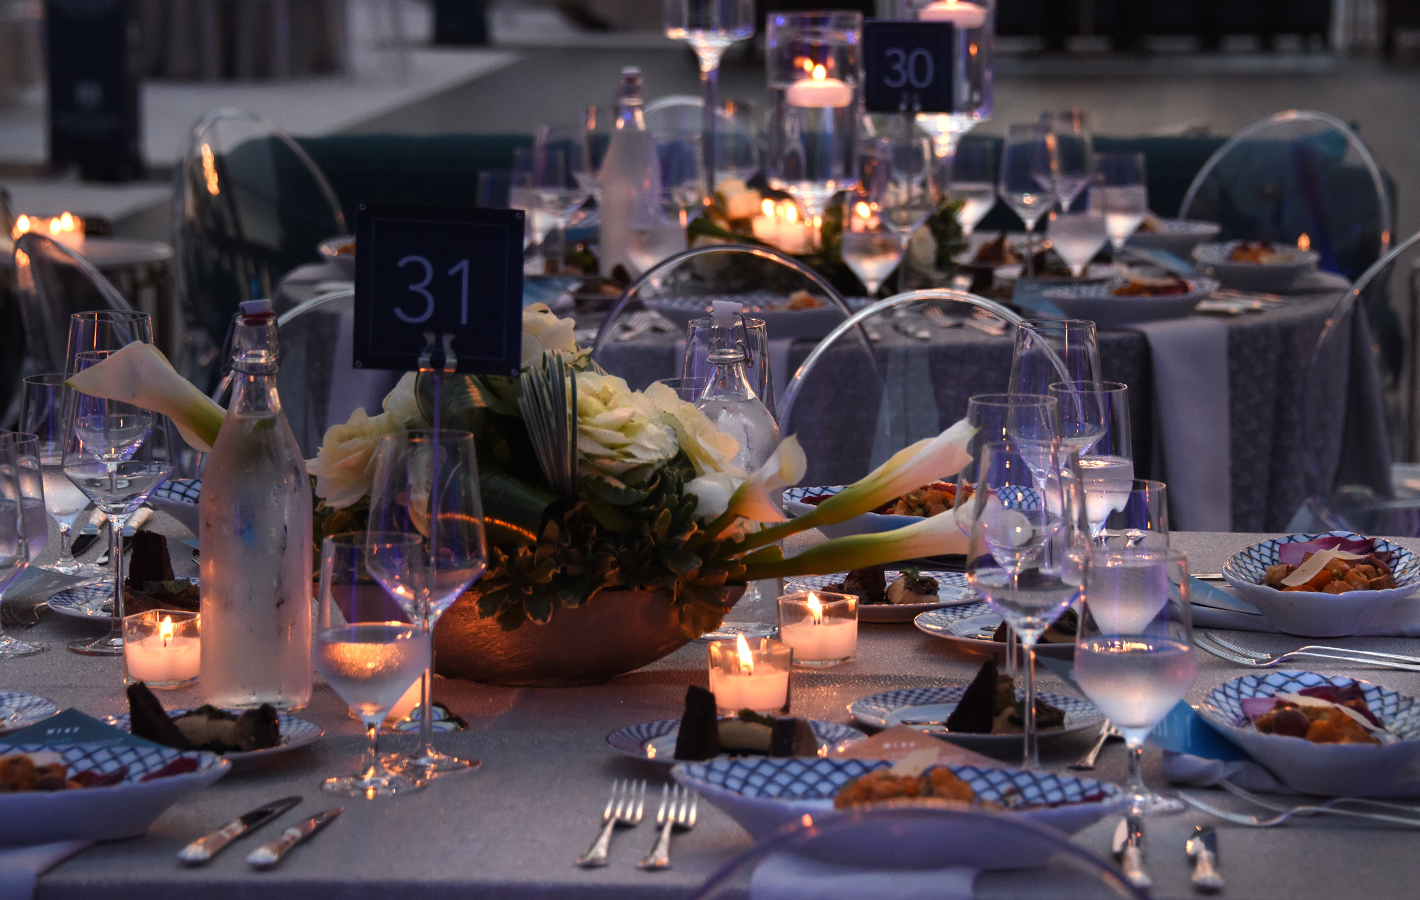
(821, 627)
(750, 675)
(162, 647)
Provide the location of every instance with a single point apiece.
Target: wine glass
(737, 141)
(14, 550)
(1143, 522)
(657, 230)
(903, 153)
(1025, 555)
(709, 27)
(870, 247)
(426, 486)
(23, 487)
(368, 649)
(1048, 351)
(1027, 179)
(1123, 194)
(973, 182)
(44, 412)
(681, 158)
(1072, 156)
(595, 126)
(120, 457)
(1094, 420)
(1078, 236)
(1134, 654)
(107, 329)
(559, 172)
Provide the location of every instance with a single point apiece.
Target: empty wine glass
(903, 153)
(709, 27)
(1078, 236)
(1143, 522)
(560, 171)
(973, 182)
(595, 126)
(426, 486)
(14, 550)
(1027, 179)
(681, 159)
(1072, 156)
(44, 410)
(368, 649)
(1094, 420)
(658, 222)
(105, 329)
(737, 141)
(1048, 351)
(870, 247)
(23, 486)
(1134, 654)
(1123, 194)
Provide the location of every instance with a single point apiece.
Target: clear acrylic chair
(319, 387)
(1296, 173)
(53, 282)
(249, 206)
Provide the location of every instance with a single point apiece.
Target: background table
(514, 827)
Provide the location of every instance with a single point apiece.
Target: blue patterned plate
(1098, 303)
(108, 813)
(1316, 614)
(294, 733)
(1278, 277)
(90, 602)
(656, 740)
(952, 589)
(935, 703)
(23, 710)
(764, 794)
(972, 625)
(867, 523)
(1351, 770)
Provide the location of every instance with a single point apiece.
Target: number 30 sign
(446, 271)
(908, 65)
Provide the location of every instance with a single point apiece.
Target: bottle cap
(256, 307)
(724, 312)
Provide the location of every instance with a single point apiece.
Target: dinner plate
(952, 588)
(120, 810)
(937, 702)
(1179, 236)
(294, 733)
(1276, 277)
(90, 602)
(1098, 303)
(763, 794)
(867, 523)
(330, 251)
(656, 740)
(972, 625)
(1338, 770)
(19, 710)
(808, 324)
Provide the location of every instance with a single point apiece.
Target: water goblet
(24, 489)
(973, 183)
(559, 172)
(367, 649)
(902, 154)
(1123, 194)
(1073, 156)
(106, 329)
(1078, 236)
(709, 27)
(595, 126)
(1143, 522)
(1094, 420)
(870, 247)
(1134, 654)
(44, 413)
(1027, 179)
(1048, 351)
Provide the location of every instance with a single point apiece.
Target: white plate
(936, 703)
(1098, 303)
(108, 813)
(1212, 259)
(19, 710)
(655, 741)
(965, 624)
(1337, 770)
(806, 324)
(294, 733)
(1179, 236)
(764, 794)
(88, 601)
(952, 589)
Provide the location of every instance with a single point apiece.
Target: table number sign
(908, 64)
(455, 272)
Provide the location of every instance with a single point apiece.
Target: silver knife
(268, 855)
(1202, 847)
(1128, 846)
(204, 848)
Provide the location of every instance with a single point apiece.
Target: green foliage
(946, 229)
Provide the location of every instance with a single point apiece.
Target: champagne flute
(1134, 655)
(21, 486)
(710, 27)
(1094, 420)
(1124, 194)
(1049, 351)
(1027, 179)
(869, 245)
(973, 182)
(44, 410)
(426, 486)
(368, 649)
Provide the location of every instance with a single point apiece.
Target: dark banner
(94, 120)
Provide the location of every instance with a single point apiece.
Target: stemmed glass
(973, 182)
(1134, 654)
(24, 487)
(1078, 236)
(14, 549)
(1143, 522)
(681, 159)
(367, 649)
(1094, 420)
(870, 246)
(595, 126)
(904, 155)
(1049, 351)
(1027, 179)
(121, 456)
(737, 141)
(710, 27)
(1026, 554)
(426, 486)
(660, 207)
(44, 412)
(1123, 194)
(1072, 157)
(560, 171)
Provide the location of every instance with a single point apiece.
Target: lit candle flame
(768, 207)
(166, 630)
(864, 210)
(816, 609)
(820, 73)
(1304, 242)
(746, 658)
(791, 213)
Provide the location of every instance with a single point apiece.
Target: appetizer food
(1330, 565)
(938, 782)
(1261, 253)
(989, 707)
(911, 587)
(926, 501)
(1149, 286)
(870, 586)
(204, 728)
(47, 771)
(703, 735)
(150, 583)
(1152, 224)
(1322, 715)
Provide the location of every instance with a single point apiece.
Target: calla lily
(932, 536)
(141, 375)
(755, 497)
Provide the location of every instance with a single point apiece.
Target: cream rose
(619, 431)
(344, 466)
(402, 405)
(740, 202)
(543, 331)
(710, 449)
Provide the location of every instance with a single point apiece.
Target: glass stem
(1030, 250)
(558, 244)
(709, 88)
(372, 747)
(116, 525)
(66, 562)
(426, 702)
(1011, 655)
(1138, 792)
(1031, 756)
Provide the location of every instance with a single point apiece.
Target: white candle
(163, 657)
(818, 91)
(960, 14)
(821, 630)
(67, 229)
(745, 678)
(782, 228)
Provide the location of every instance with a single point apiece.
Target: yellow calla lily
(932, 536)
(141, 375)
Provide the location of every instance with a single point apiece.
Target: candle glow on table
(818, 91)
(821, 627)
(783, 228)
(162, 652)
(745, 677)
(958, 12)
(66, 228)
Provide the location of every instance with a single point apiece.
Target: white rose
(344, 466)
(619, 432)
(402, 405)
(543, 331)
(922, 249)
(740, 202)
(710, 449)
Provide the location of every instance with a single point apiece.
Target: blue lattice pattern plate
(867, 523)
(764, 794)
(656, 740)
(780, 322)
(936, 702)
(972, 625)
(179, 490)
(952, 588)
(1316, 614)
(1277, 277)
(19, 710)
(89, 602)
(295, 732)
(1351, 770)
(1098, 303)
(108, 813)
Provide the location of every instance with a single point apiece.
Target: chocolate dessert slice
(976, 711)
(699, 736)
(147, 719)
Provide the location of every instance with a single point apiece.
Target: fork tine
(640, 791)
(1256, 654)
(1201, 641)
(667, 805)
(610, 810)
(694, 803)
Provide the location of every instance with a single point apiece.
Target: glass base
(376, 782)
(110, 644)
(1152, 804)
(821, 663)
(13, 648)
(430, 763)
(87, 571)
(728, 631)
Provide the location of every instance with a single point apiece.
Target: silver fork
(1282, 807)
(677, 813)
(935, 315)
(1087, 762)
(1314, 649)
(627, 803)
(1208, 643)
(1270, 821)
(638, 323)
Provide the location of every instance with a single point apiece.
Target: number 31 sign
(908, 65)
(446, 271)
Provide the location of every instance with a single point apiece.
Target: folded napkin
(41, 582)
(785, 876)
(306, 282)
(20, 867)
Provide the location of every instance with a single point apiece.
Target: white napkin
(1197, 771)
(20, 867)
(38, 581)
(785, 876)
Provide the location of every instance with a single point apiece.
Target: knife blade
(1202, 848)
(268, 855)
(204, 848)
(1128, 846)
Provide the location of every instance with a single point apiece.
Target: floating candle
(960, 14)
(818, 91)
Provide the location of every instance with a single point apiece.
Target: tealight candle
(818, 91)
(67, 229)
(958, 12)
(750, 677)
(162, 647)
(783, 228)
(821, 627)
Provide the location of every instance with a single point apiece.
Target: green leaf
(615, 492)
(513, 510)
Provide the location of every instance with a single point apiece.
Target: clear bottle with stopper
(628, 170)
